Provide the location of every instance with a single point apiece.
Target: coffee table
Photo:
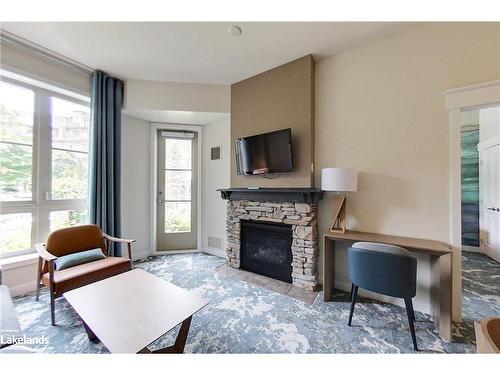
(129, 311)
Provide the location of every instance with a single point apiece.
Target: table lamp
(339, 180)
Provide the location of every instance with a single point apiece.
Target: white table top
(129, 311)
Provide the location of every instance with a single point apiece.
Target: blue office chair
(384, 269)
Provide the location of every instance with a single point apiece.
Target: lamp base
(338, 205)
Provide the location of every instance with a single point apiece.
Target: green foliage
(177, 224)
(15, 170)
(69, 175)
(15, 160)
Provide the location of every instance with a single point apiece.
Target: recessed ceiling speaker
(234, 30)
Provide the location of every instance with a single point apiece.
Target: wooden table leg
(180, 341)
(328, 268)
(90, 334)
(441, 283)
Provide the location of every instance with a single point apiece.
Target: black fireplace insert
(266, 249)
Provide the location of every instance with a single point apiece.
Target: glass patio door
(177, 171)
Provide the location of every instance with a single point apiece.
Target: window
(178, 172)
(44, 145)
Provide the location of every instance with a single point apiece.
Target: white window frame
(40, 206)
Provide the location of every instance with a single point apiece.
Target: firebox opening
(266, 249)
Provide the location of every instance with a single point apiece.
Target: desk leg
(179, 344)
(328, 268)
(441, 276)
(90, 334)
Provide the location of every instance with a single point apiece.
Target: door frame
(488, 143)
(153, 189)
(458, 99)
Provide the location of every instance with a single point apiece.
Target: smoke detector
(234, 30)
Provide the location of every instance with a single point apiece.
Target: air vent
(215, 153)
(214, 242)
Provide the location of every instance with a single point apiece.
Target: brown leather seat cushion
(83, 274)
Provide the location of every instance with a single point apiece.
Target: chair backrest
(384, 269)
(74, 239)
(382, 247)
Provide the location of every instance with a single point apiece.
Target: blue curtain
(105, 154)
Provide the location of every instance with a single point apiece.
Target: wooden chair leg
(52, 308)
(350, 294)
(39, 278)
(411, 319)
(353, 302)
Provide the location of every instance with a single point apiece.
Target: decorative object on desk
(339, 180)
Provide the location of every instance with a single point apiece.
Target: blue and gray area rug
(244, 318)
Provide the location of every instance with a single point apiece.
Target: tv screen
(265, 153)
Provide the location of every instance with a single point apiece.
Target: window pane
(16, 113)
(69, 175)
(64, 219)
(177, 217)
(178, 185)
(15, 172)
(177, 153)
(15, 233)
(70, 125)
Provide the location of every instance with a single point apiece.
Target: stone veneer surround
(303, 219)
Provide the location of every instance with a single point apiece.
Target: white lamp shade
(339, 179)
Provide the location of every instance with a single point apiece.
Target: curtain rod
(17, 41)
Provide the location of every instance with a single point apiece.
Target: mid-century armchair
(73, 240)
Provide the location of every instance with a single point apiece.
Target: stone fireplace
(292, 210)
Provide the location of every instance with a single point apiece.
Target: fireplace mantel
(296, 195)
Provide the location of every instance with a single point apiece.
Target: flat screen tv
(265, 153)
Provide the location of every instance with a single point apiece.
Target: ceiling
(201, 52)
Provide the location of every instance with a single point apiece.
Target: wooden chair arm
(115, 239)
(120, 240)
(41, 249)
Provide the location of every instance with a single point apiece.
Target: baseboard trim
(170, 252)
(472, 249)
(137, 255)
(22, 289)
(213, 251)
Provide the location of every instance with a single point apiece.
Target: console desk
(441, 270)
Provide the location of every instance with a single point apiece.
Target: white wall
(380, 108)
(216, 175)
(135, 184)
(136, 221)
(174, 96)
(489, 123)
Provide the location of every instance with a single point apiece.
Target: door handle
(493, 209)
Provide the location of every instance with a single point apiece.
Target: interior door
(177, 171)
(489, 182)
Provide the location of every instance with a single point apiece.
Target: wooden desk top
(417, 245)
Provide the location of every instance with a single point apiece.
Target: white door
(489, 184)
(177, 171)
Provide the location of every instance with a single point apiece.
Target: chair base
(410, 312)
